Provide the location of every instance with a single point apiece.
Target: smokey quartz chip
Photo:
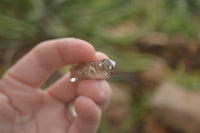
(99, 69)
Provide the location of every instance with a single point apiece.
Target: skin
(25, 108)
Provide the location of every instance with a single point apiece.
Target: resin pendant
(100, 69)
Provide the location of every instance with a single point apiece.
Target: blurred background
(156, 44)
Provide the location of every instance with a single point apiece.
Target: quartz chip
(99, 69)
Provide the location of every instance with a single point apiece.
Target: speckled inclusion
(100, 69)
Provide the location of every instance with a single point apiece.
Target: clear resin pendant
(100, 69)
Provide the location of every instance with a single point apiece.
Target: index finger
(35, 67)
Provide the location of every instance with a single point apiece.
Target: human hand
(24, 108)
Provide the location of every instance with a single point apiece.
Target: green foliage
(140, 106)
(31, 21)
(132, 62)
(179, 18)
(104, 126)
(190, 81)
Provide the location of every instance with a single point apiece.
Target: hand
(24, 108)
